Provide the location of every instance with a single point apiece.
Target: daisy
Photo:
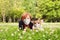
(49, 39)
(1, 30)
(18, 30)
(29, 37)
(33, 33)
(12, 34)
(43, 35)
(36, 30)
(21, 37)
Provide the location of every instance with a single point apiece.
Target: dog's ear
(41, 21)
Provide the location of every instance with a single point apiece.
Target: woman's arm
(20, 25)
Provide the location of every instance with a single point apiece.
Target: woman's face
(27, 20)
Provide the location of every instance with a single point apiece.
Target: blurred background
(48, 10)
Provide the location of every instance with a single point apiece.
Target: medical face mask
(27, 21)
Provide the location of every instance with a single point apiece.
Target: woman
(25, 21)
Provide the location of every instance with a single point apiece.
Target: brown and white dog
(37, 24)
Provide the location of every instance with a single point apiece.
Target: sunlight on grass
(13, 33)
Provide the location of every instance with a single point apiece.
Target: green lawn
(10, 31)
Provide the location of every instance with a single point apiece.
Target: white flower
(21, 37)
(12, 34)
(47, 32)
(1, 30)
(56, 36)
(18, 39)
(15, 32)
(18, 30)
(24, 29)
(31, 30)
(50, 29)
(43, 35)
(49, 39)
(52, 32)
(41, 29)
(29, 37)
(23, 32)
(36, 30)
(3, 39)
(6, 29)
(33, 33)
(19, 34)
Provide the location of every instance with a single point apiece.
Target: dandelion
(12, 34)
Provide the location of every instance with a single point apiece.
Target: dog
(37, 24)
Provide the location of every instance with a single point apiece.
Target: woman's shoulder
(20, 22)
(31, 23)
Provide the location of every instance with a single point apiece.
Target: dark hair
(34, 19)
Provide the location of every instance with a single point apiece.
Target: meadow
(11, 31)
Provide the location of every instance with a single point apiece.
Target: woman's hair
(24, 15)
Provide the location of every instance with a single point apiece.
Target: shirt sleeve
(31, 25)
(20, 25)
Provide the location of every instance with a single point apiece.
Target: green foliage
(47, 9)
(10, 31)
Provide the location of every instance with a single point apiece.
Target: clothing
(22, 25)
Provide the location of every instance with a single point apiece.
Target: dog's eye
(34, 23)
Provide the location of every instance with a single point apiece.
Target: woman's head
(26, 15)
(26, 18)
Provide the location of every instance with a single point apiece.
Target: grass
(10, 31)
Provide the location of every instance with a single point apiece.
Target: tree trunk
(14, 19)
(3, 15)
(10, 20)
